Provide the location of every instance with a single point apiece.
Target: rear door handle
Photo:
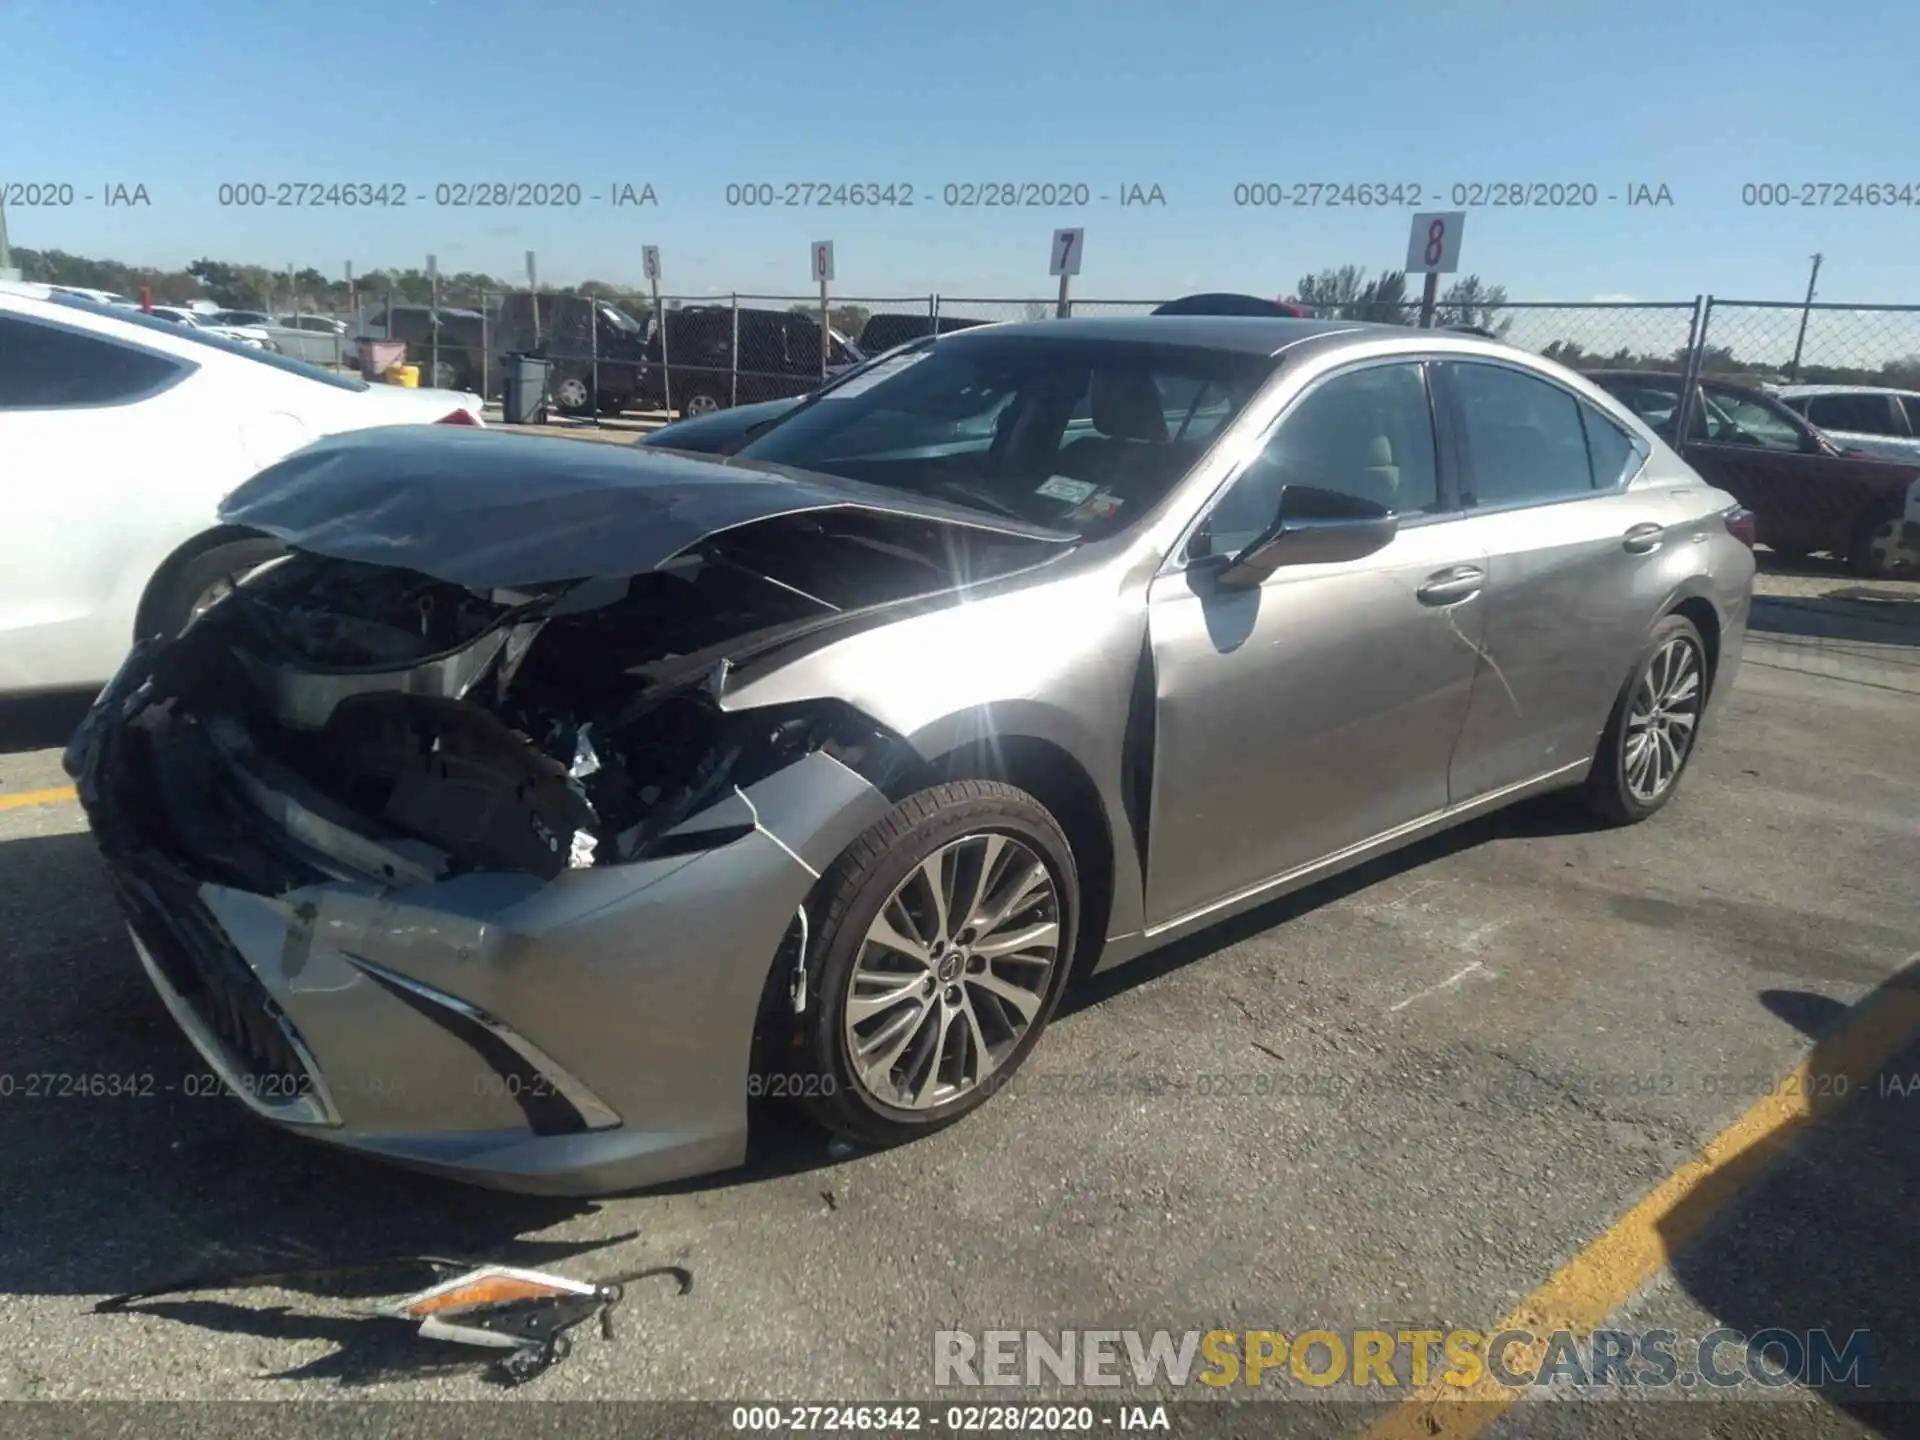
(1450, 585)
(1643, 539)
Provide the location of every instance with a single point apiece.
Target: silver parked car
(1873, 419)
(551, 801)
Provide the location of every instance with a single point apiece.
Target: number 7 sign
(1066, 252)
(1434, 246)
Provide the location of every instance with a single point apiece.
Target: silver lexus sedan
(551, 802)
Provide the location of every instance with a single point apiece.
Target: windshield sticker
(1103, 506)
(1059, 487)
(867, 379)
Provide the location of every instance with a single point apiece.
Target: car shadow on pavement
(1537, 818)
(1860, 613)
(1827, 1235)
(42, 722)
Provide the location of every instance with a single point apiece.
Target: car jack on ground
(525, 1313)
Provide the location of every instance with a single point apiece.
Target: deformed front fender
(1056, 663)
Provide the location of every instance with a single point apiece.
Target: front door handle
(1450, 585)
(1643, 539)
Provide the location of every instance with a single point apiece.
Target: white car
(318, 338)
(246, 326)
(99, 297)
(121, 435)
(203, 320)
(1878, 420)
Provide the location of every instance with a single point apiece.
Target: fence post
(1690, 370)
(486, 351)
(593, 342)
(933, 313)
(733, 359)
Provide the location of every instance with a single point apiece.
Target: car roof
(1810, 390)
(1675, 377)
(1240, 334)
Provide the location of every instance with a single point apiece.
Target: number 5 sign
(1434, 246)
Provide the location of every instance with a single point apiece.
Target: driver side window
(1366, 433)
(1754, 423)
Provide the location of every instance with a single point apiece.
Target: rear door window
(1525, 440)
(1858, 414)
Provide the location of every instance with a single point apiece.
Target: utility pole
(7, 272)
(1793, 370)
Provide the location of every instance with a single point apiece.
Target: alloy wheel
(952, 972)
(1663, 718)
(700, 404)
(572, 394)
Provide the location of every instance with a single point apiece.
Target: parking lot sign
(1067, 245)
(650, 262)
(822, 261)
(1433, 247)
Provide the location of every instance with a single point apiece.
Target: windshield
(621, 320)
(214, 341)
(1076, 435)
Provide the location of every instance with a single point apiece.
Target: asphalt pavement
(1426, 1095)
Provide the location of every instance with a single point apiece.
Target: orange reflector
(483, 1289)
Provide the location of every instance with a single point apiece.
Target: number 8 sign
(1433, 247)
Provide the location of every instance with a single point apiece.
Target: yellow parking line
(1602, 1277)
(36, 797)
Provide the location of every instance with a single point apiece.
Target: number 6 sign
(1434, 246)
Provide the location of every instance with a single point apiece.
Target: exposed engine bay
(562, 726)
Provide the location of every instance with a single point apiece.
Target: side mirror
(1312, 527)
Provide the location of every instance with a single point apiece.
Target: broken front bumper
(580, 1036)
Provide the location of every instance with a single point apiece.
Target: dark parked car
(1809, 493)
(1222, 303)
(458, 362)
(882, 332)
(779, 354)
(597, 350)
(721, 432)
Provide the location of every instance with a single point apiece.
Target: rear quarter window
(51, 367)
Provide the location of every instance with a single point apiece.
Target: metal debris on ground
(525, 1313)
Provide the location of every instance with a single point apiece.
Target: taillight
(1740, 525)
(458, 417)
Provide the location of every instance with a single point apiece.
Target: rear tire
(1878, 553)
(573, 396)
(940, 1025)
(198, 580)
(700, 400)
(1654, 728)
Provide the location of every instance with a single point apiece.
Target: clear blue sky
(1194, 96)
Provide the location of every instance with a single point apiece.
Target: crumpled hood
(491, 510)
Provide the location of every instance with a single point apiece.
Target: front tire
(945, 936)
(1654, 727)
(200, 580)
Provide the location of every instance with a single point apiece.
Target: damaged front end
(509, 732)
(439, 872)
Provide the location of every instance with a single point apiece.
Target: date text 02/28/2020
(1470, 195)
(954, 195)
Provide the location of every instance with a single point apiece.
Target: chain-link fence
(1788, 342)
(612, 360)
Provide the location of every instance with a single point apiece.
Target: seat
(1130, 425)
